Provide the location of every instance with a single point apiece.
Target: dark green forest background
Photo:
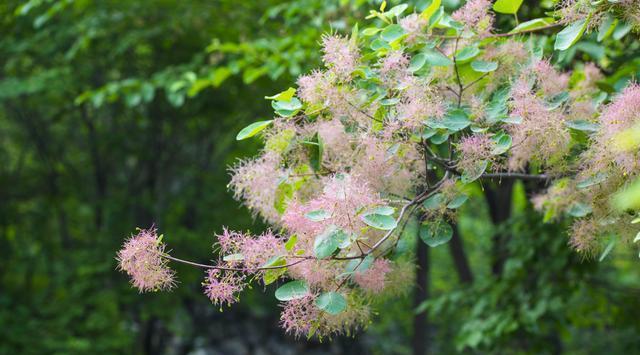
(117, 114)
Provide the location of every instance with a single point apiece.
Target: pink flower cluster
(541, 134)
(255, 183)
(373, 279)
(340, 55)
(298, 316)
(255, 250)
(223, 286)
(623, 113)
(141, 258)
(472, 149)
(475, 15)
(343, 197)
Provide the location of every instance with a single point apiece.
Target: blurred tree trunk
(460, 260)
(499, 201)
(421, 331)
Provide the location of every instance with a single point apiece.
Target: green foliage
(292, 290)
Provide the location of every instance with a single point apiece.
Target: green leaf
(291, 243)
(502, 144)
(431, 9)
(359, 266)
(628, 198)
(436, 233)
(370, 31)
(378, 44)
(272, 275)
(583, 125)
(331, 302)
(570, 34)
(233, 257)
(327, 242)
(379, 221)
(607, 250)
(433, 202)
(436, 58)
(474, 173)
(507, 6)
(392, 33)
(497, 107)
(533, 24)
(606, 27)
(284, 192)
(383, 210)
(592, 180)
(316, 151)
(286, 95)
(467, 53)
(318, 215)
(439, 138)
(579, 210)
(292, 290)
(482, 66)
(252, 129)
(557, 100)
(457, 201)
(390, 101)
(621, 30)
(417, 62)
(287, 108)
(397, 10)
(455, 120)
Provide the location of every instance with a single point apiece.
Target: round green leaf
(433, 202)
(502, 144)
(507, 6)
(482, 66)
(592, 180)
(318, 215)
(392, 33)
(252, 129)
(417, 62)
(286, 95)
(532, 24)
(457, 201)
(331, 302)
(579, 210)
(570, 35)
(474, 173)
(327, 242)
(292, 290)
(436, 233)
(467, 54)
(436, 58)
(455, 120)
(384, 210)
(583, 125)
(379, 221)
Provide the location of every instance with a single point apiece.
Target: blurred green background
(118, 114)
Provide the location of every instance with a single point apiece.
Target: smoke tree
(387, 137)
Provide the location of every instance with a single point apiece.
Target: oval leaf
(570, 35)
(507, 6)
(292, 290)
(318, 215)
(331, 302)
(392, 33)
(436, 233)
(482, 66)
(379, 221)
(457, 201)
(252, 129)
